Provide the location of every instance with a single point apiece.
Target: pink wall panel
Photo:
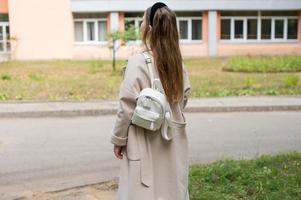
(3, 6)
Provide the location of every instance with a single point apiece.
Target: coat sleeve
(187, 86)
(128, 92)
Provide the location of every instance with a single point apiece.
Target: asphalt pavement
(48, 153)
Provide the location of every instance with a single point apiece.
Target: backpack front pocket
(147, 119)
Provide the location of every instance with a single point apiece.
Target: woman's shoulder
(139, 54)
(136, 62)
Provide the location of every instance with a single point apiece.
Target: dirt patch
(101, 191)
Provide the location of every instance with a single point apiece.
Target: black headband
(154, 8)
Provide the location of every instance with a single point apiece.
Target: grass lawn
(265, 178)
(59, 80)
(91, 80)
(264, 64)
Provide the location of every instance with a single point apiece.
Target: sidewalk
(94, 108)
(100, 191)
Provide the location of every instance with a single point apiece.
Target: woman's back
(153, 168)
(177, 108)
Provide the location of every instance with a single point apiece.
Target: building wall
(3, 6)
(108, 22)
(262, 48)
(101, 51)
(43, 29)
(259, 49)
(92, 51)
(121, 21)
(199, 49)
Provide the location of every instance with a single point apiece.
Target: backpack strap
(148, 61)
(155, 82)
(166, 125)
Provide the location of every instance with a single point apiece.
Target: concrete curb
(96, 108)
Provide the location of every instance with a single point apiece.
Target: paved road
(45, 154)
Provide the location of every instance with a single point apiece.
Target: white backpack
(152, 110)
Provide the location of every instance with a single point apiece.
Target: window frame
(85, 21)
(137, 27)
(246, 24)
(189, 19)
(232, 30)
(259, 40)
(284, 28)
(298, 29)
(5, 40)
(136, 20)
(189, 24)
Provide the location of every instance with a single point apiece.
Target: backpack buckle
(148, 60)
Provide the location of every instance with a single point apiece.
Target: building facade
(77, 29)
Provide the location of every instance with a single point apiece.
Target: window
(79, 31)
(190, 28)
(129, 23)
(225, 29)
(252, 29)
(1, 38)
(183, 28)
(266, 26)
(132, 26)
(266, 30)
(140, 22)
(7, 38)
(196, 29)
(189, 24)
(292, 29)
(4, 37)
(279, 29)
(238, 29)
(102, 30)
(90, 30)
(132, 23)
(4, 34)
(3, 17)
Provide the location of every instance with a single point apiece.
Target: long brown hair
(164, 43)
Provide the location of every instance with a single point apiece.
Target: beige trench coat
(151, 168)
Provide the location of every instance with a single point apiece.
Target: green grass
(264, 64)
(59, 80)
(94, 79)
(208, 79)
(265, 178)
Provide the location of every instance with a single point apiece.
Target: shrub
(291, 81)
(6, 77)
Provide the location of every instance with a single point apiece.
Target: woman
(153, 168)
